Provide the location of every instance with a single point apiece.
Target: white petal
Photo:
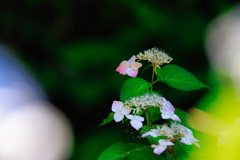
(116, 106)
(189, 131)
(145, 134)
(170, 106)
(165, 116)
(169, 143)
(118, 116)
(158, 150)
(139, 118)
(154, 134)
(126, 110)
(136, 124)
(184, 140)
(130, 116)
(188, 136)
(160, 141)
(175, 117)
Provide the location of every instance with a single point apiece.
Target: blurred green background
(74, 47)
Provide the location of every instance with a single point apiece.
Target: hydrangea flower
(136, 121)
(120, 110)
(158, 149)
(168, 111)
(129, 67)
(189, 139)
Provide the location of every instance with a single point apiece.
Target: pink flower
(120, 110)
(158, 149)
(129, 67)
(136, 121)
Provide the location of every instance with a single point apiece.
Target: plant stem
(152, 77)
(171, 147)
(147, 117)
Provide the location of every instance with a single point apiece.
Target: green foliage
(107, 120)
(179, 78)
(130, 151)
(181, 151)
(154, 114)
(134, 87)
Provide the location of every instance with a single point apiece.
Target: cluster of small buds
(144, 101)
(175, 131)
(155, 56)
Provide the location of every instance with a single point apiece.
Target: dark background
(74, 47)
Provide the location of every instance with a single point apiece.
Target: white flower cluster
(175, 131)
(155, 56)
(144, 101)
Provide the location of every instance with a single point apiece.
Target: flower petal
(118, 116)
(139, 118)
(130, 116)
(135, 65)
(116, 106)
(170, 106)
(136, 124)
(184, 140)
(158, 150)
(154, 134)
(132, 59)
(145, 134)
(189, 131)
(175, 117)
(131, 72)
(166, 116)
(169, 143)
(126, 110)
(122, 68)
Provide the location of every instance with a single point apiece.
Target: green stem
(152, 77)
(147, 117)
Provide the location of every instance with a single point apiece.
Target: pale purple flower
(120, 110)
(158, 149)
(136, 121)
(189, 139)
(168, 111)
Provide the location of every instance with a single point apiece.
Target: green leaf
(130, 151)
(134, 87)
(154, 114)
(179, 78)
(181, 151)
(107, 120)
